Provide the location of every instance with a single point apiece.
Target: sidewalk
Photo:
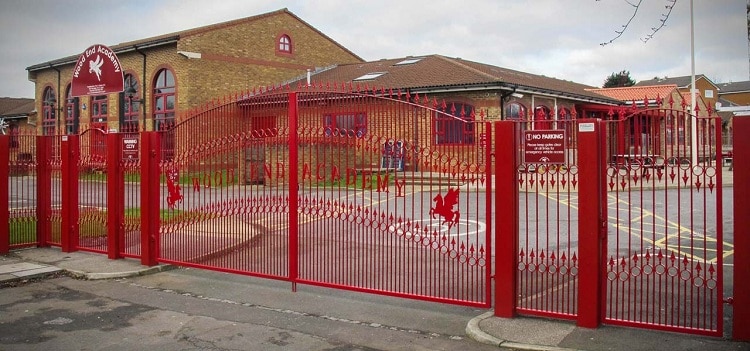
(33, 263)
(528, 333)
(519, 333)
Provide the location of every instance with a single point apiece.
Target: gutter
(119, 50)
(522, 90)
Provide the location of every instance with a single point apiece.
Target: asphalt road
(189, 309)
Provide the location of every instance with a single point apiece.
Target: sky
(555, 38)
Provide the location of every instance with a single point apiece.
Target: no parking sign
(544, 146)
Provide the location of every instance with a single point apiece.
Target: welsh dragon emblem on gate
(444, 207)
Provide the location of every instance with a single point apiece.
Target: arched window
(164, 110)
(131, 100)
(72, 111)
(515, 111)
(284, 44)
(455, 125)
(542, 117)
(49, 119)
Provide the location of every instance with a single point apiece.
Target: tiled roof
(686, 97)
(727, 103)
(638, 93)
(681, 82)
(16, 107)
(172, 37)
(438, 73)
(734, 87)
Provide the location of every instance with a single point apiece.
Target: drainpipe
(504, 97)
(57, 108)
(143, 83)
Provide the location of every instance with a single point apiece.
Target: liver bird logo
(444, 207)
(96, 67)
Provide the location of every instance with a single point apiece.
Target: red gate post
(591, 236)
(43, 190)
(506, 221)
(293, 191)
(150, 186)
(487, 148)
(70, 150)
(741, 169)
(4, 196)
(115, 197)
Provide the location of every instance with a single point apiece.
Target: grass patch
(102, 177)
(214, 178)
(93, 224)
(22, 231)
(217, 178)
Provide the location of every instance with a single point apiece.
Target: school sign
(97, 72)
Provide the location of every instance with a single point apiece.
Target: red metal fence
(627, 230)
(616, 221)
(381, 203)
(664, 263)
(21, 196)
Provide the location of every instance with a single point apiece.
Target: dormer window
(284, 44)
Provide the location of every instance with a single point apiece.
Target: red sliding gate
(626, 230)
(614, 221)
(334, 189)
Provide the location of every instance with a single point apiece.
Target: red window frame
(455, 126)
(284, 44)
(542, 117)
(352, 124)
(49, 118)
(131, 105)
(264, 127)
(514, 108)
(72, 112)
(99, 110)
(164, 102)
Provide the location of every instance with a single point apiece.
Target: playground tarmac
(522, 333)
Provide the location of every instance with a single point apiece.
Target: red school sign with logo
(97, 72)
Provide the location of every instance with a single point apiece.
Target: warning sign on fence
(130, 148)
(544, 146)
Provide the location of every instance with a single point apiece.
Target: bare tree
(636, 6)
